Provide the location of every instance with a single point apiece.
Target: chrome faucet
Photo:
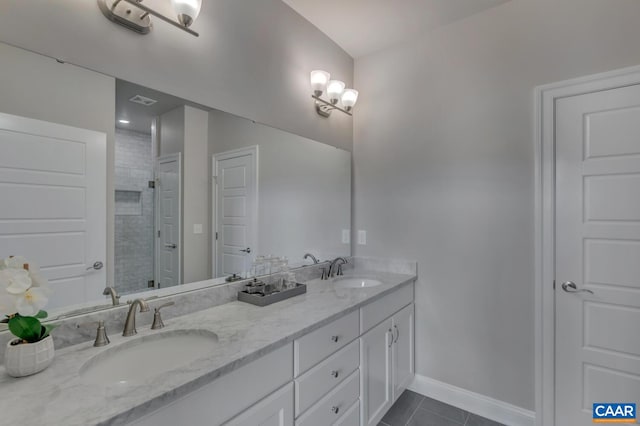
(335, 268)
(309, 255)
(130, 323)
(110, 291)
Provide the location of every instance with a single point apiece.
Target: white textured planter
(28, 358)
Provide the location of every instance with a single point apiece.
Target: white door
(168, 213)
(274, 410)
(597, 249)
(376, 376)
(53, 198)
(236, 175)
(403, 361)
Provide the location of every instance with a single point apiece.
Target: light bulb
(319, 81)
(334, 90)
(187, 10)
(349, 99)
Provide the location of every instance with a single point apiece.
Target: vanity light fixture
(134, 15)
(339, 98)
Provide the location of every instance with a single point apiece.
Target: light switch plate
(362, 237)
(197, 228)
(346, 236)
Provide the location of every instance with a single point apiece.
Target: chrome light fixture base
(135, 16)
(324, 108)
(125, 14)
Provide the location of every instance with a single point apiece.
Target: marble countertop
(59, 396)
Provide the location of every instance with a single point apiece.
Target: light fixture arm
(139, 5)
(324, 108)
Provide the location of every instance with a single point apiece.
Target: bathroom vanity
(336, 355)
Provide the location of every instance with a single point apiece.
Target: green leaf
(26, 328)
(41, 315)
(46, 330)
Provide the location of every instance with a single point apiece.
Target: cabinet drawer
(318, 381)
(351, 417)
(330, 408)
(319, 344)
(376, 312)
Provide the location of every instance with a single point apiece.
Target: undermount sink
(148, 356)
(356, 282)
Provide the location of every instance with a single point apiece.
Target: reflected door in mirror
(168, 216)
(53, 208)
(237, 210)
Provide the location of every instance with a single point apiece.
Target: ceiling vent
(142, 100)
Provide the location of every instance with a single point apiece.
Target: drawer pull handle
(335, 374)
(335, 409)
(335, 339)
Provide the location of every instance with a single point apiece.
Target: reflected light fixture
(339, 98)
(134, 15)
(123, 121)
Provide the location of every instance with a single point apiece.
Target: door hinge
(216, 235)
(152, 184)
(158, 233)
(554, 284)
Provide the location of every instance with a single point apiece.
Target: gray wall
(134, 212)
(443, 148)
(39, 87)
(196, 248)
(253, 57)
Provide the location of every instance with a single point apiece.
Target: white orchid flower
(7, 300)
(32, 301)
(15, 262)
(18, 281)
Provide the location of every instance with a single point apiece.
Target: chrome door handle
(397, 333)
(571, 287)
(247, 250)
(171, 246)
(96, 266)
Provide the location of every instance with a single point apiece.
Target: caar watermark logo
(604, 412)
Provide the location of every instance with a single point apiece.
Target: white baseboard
(472, 402)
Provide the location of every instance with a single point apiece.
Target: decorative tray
(267, 298)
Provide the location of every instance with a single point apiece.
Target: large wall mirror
(198, 194)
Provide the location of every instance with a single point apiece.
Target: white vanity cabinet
(348, 372)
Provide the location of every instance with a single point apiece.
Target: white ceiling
(361, 27)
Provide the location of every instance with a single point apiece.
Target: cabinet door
(274, 410)
(375, 365)
(403, 347)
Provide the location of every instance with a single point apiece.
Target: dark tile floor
(413, 409)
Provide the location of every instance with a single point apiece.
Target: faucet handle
(157, 319)
(101, 333)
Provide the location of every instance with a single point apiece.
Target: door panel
(236, 200)
(376, 378)
(403, 361)
(53, 192)
(168, 192)
(598, 248)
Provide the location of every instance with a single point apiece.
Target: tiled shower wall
(134, 221)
